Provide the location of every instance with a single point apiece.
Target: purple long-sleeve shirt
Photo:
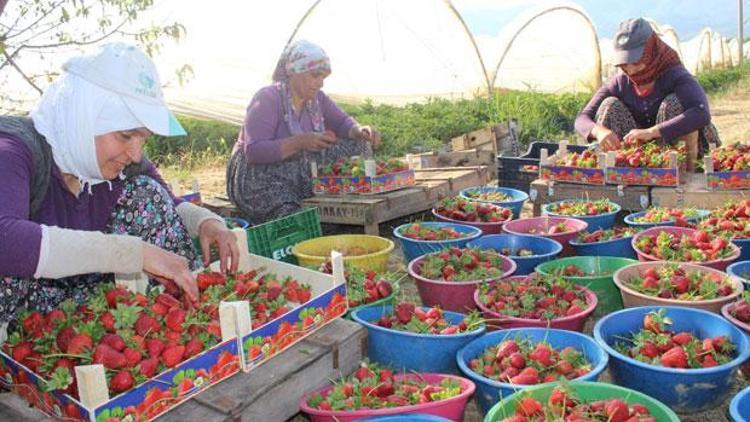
(675, 80)
(20, 233)
(264, 125)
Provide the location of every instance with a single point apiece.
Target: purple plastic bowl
(719, 264)
(487, 228)
(525, 225)
(452, 408)
(457, 296)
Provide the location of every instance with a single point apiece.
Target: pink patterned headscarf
(299, 57)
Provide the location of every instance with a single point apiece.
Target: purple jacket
(20, 233)
(264, 125)
(675, 80)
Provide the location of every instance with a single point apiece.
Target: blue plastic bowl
(544, 249)
(601, 221)
(739, 408)
(412, 417)
(744, 245)
(404, 351)
(518, 198)
(490, 391)
(413, 248)
(684, 390)
(617, 247)
(741, 270)
(237, 222)
(630, 219)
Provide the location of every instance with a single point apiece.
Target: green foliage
(720, 80)
(207, 141)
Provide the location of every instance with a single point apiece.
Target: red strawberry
(193, 347)
(527, 406)
(682, 338)
(108, 321)
(172, 356)
(22, 350)
(167, 300)
(674, 358)
(132, 357)
(114, 341)
(384, 288)
(122, 381)
(159, 309)
(149, 366)
(155, 347)
(709, 361)
(174, 320)
(404, 312)
(649, 350)
(55, 316)
(616, 410)
(528, 376)
(79, 344)
(33, 323)
(63, 338)
(146, 324)
(115, 296)
(542, 354)
(109, 357)
(363, 373)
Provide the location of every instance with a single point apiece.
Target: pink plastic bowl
(487, 228)
(719, 264)
(452, 408)
(739, 324)
(457, 296)
(543, 223)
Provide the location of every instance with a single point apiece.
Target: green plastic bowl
(587, 391)
(603, 286)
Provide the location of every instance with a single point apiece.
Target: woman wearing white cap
(653, 97)
(287, 126)
(79, 201)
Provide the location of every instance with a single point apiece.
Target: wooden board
(474, 139)
(470, 157)
(632, 198)
(695, 194)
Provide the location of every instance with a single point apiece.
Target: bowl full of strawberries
(684, 357)
(407, 337)
(738, 313)
(676, 284)
(683, 244)
(505, 197)
(503, 362)
(423, 237)
(610, 242)
(449, 278)
(664, 216)
(526, 251)
(560, 229)
(599, 214)
(484, 215)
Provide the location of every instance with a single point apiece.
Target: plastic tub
(404, 351)
(630, 219)
(607, 293)
(621, 247)
(313, 252)
(684, 390)
(544, 223)
(739, 324)
(744, 245)
(741, 270)
(414, 417)
(719, 264)
(544, 249)
(489, 391)
(739, 407)
(452, 408)
(595, 222)
(487, 228)
(632, 298)
(588, 391)
(413, 248)
(515, 204)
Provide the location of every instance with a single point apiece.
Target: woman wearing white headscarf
(288, 125)
(79, 201)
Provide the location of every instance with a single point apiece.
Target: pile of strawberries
(732, 157)
(581, 208)
(656, 345)
(542, 297)
(375, 387)
(520, 252)
(732, 221)
(461, 209)
(673, 282)
(417, 231)
(564, 405)
(700, 247)
(602, 235)
(414, 319)
(462, 264)
(362, 286)
(558, 228)
(487, 196)
(679, 216)
(585, 159)
(347, 166)
(741, 308)
(521, 361)
(649, 155)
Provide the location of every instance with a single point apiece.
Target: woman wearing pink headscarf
(288, 125)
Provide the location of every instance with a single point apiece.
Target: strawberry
(22, 350)
(541, 354)
(55, 316)
(122, 381)
(174, 320)
(675, 358)
(364, 373)
(33, 323)
(79, 344)
(170, 357)
(682, 338)
(146, 324)
(132, 357)
(616, 410)
(108, 321)
(384, 288)
(109, 357)
(193, 347)
(63, 338)
(167, 300)
(115, 296)
(529, 407)
(155, 347)
(114, 341)
(148, 367)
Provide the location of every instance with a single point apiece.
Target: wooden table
(694, 194)
(270, 392)
(631, 198)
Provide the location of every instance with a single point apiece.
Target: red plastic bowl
(719, 264)
(457, 296)
(498, 321)
(452, 408)
(487, 228)
(525, 225)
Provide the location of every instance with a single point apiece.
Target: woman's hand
(366, 133)
(314, 141)
(162, 264)
(639, 136)
(214, 232)
(608, 140)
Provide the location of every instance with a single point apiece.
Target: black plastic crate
(510, 170)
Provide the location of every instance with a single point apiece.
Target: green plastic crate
(276, 238)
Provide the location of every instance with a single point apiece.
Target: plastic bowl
(489, 391)
(744, 245)
(404, 351)
(498, 321)
(515, 204)
(313, 252)
(739, 407)
(452, 408)
(588, 391)
(457, 296)
(607, 293)
(414, 417)
(544, 249)
(234, 222)
(630, 219)
(632, 298)
(719, 264)
(741, 270)
(739, 324)
(413, 248)
(525, 225)
(487, 228)
(616, 247)
(684, 390)
(595, 222)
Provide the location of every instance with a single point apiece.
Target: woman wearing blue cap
(653, 97)
(79, 201)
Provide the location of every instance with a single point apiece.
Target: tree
(32, 31)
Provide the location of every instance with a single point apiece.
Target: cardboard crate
(628, 176)
(550, 171)
(368, 184)
(724, 180)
